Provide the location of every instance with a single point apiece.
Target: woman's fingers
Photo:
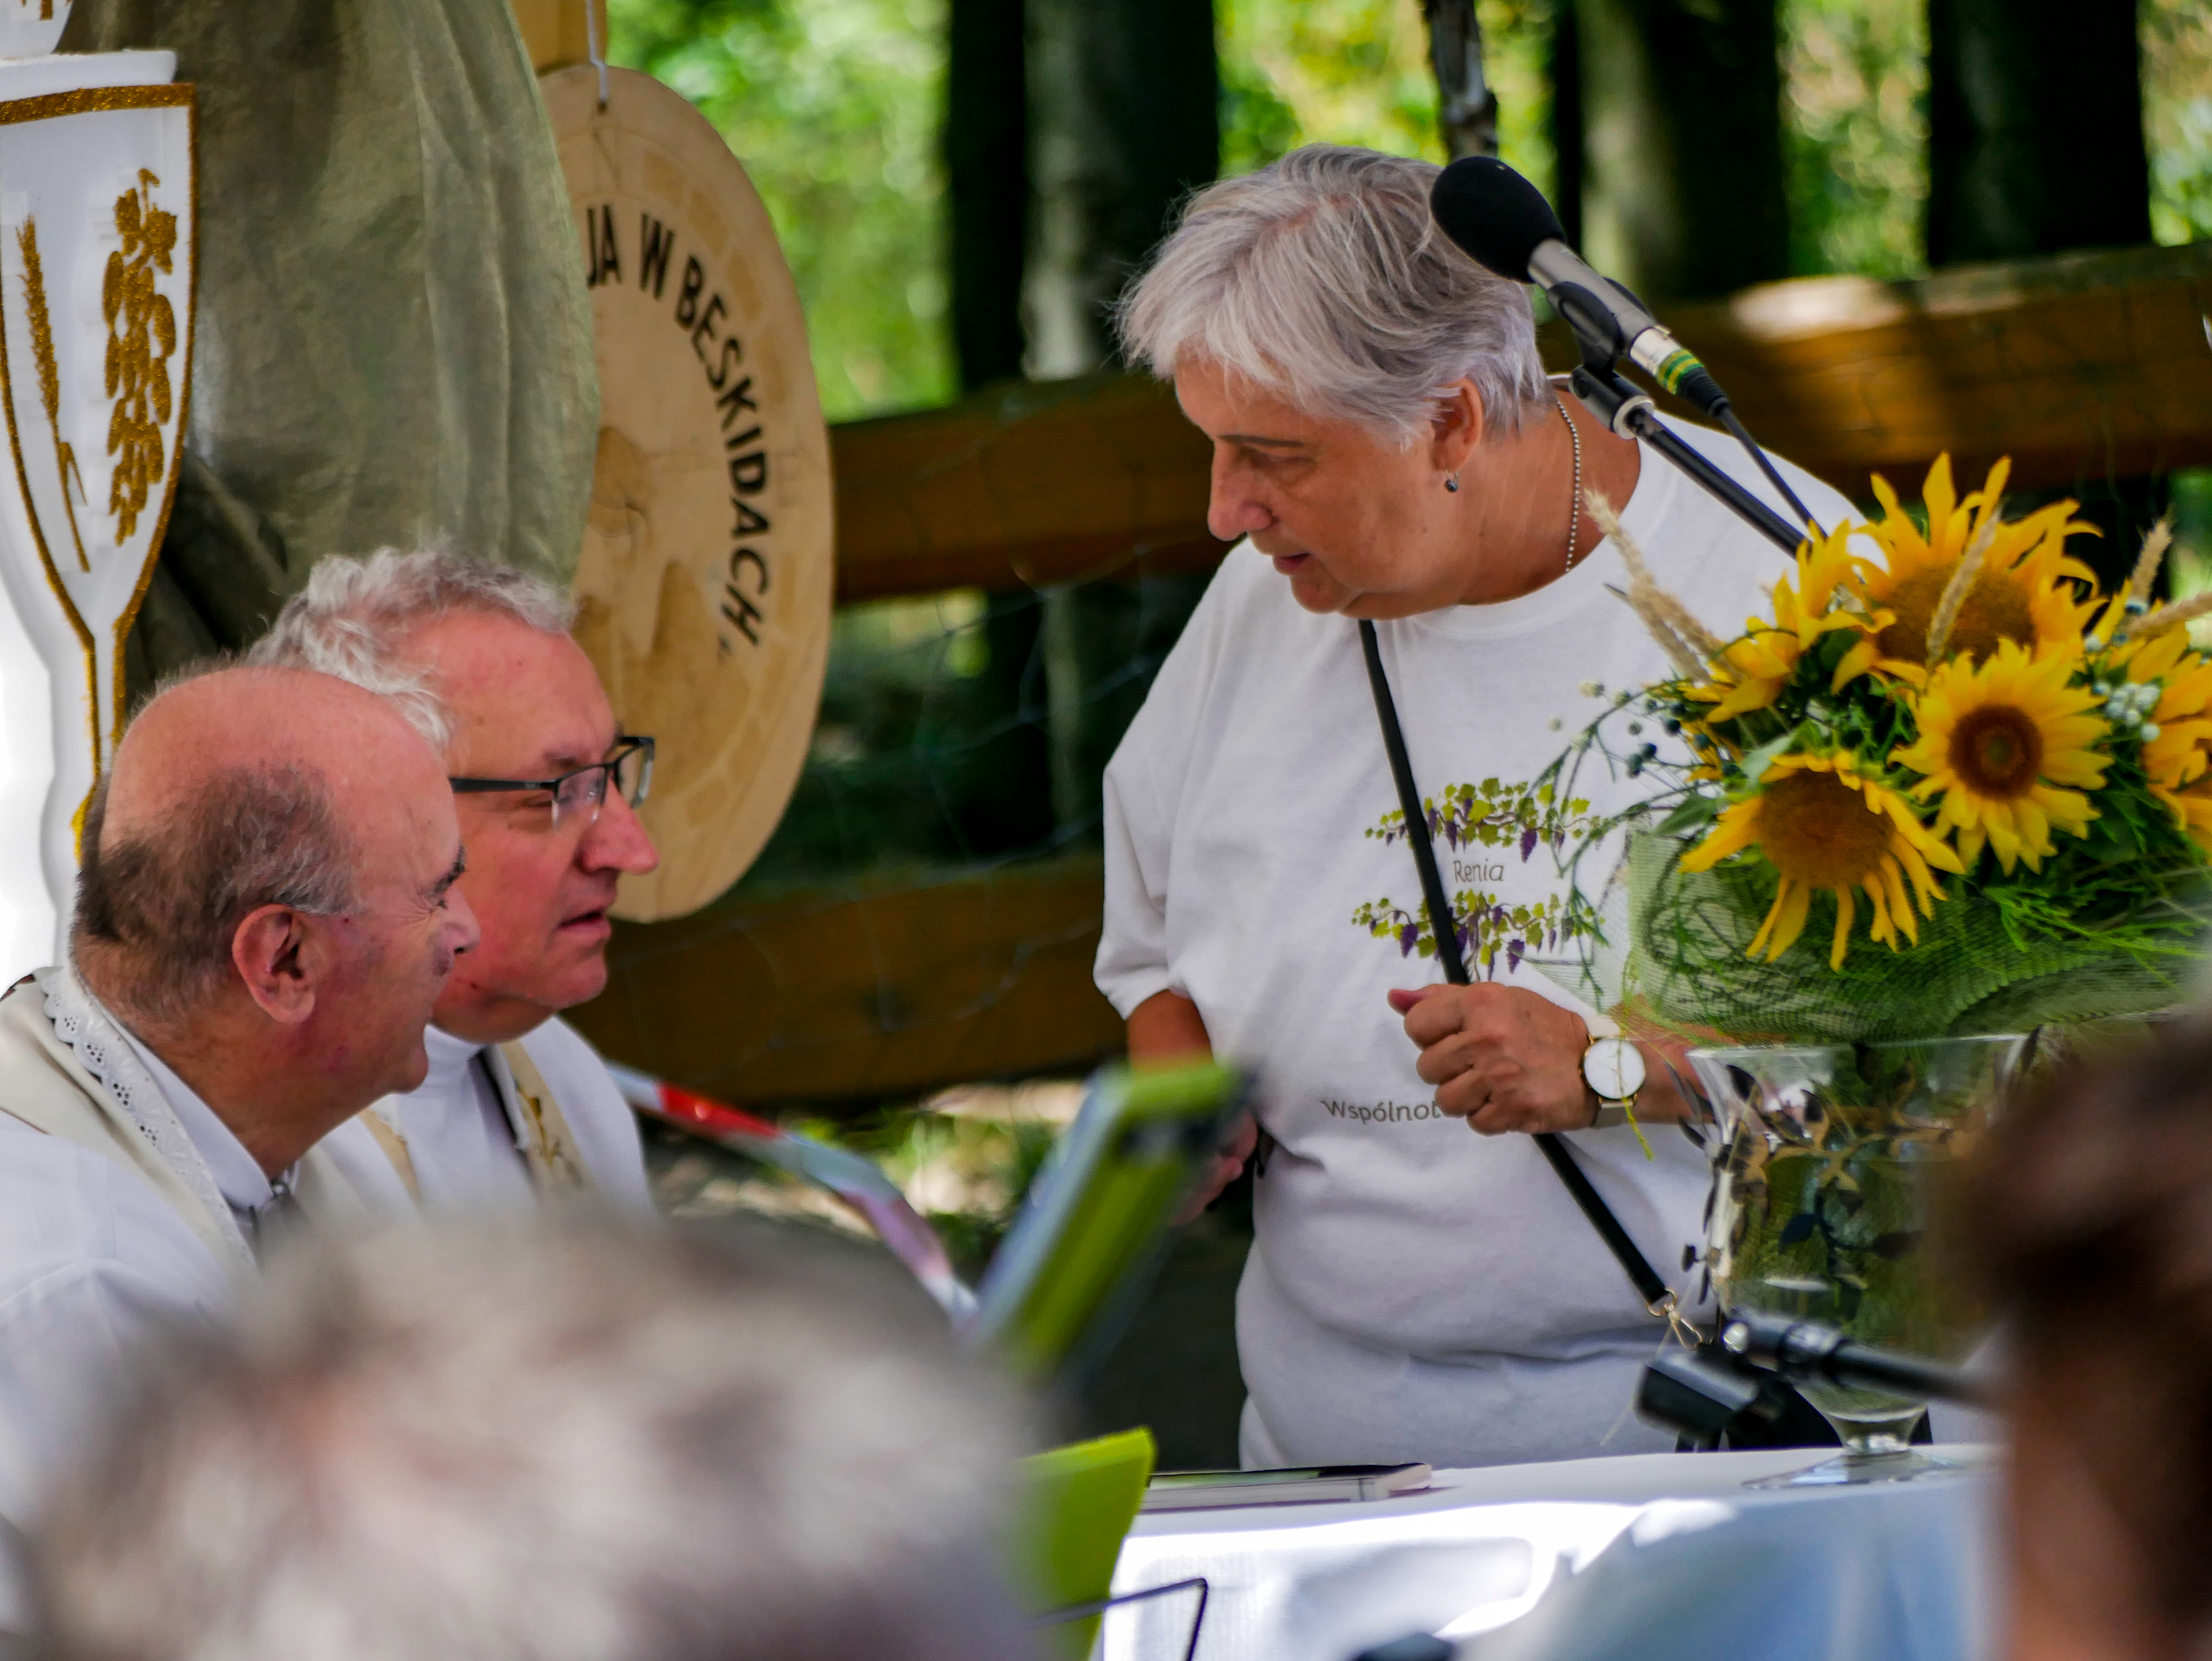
(1432, 1013)
(1500, 1057)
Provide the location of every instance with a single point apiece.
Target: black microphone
(1504, 225)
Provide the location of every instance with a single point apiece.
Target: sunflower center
(1815, 830)
(1995, 608)
(1996, 751)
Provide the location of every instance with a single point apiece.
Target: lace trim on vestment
(81, 1023)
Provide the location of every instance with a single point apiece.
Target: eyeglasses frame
(628, 744)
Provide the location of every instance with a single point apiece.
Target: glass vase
(1829, 1163)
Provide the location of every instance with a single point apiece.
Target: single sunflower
(2001, 742)
(2024, 592)
(1821, 825)
(1755, 667)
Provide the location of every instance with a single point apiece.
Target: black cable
(1084, 1611)
(1443, 921)
(1444, 925)
(1766, 466)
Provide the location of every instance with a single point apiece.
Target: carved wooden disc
(705, 576)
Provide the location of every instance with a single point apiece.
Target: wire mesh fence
(928, 911)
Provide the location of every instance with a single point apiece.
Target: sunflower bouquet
(1952, 789)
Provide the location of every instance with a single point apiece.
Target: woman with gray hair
(1385, 438)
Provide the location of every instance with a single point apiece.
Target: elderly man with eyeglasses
(516, 1105)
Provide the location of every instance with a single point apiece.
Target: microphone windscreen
(1493, 213)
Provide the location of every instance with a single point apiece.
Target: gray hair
(553, 1441)
(348, 620)
(1321, 279)
(172, 898)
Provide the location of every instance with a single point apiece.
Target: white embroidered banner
(96, 274)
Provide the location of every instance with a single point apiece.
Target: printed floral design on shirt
(1465, 823)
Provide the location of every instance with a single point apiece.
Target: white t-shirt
(1416, 1291)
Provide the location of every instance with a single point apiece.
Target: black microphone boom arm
(1630, 413)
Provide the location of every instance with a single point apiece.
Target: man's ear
(1455, 426)
(279, 957)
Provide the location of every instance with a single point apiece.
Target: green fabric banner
(393, 339)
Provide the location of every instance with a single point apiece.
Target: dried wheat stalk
(1960, 585)
(1687, 641)
(2172, 616)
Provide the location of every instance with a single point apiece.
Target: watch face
(1614, 1068)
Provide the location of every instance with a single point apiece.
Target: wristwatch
(1613, 1069)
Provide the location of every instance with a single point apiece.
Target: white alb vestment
(476, 1136)
(1416, 1291)
(126, 1207)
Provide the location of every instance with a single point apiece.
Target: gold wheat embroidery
(142, 338)
(49, 380)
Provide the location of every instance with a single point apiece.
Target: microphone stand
(1810, 1352)
(1630, 413)
(1703, 1395)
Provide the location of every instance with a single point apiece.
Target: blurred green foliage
(1854, 134)
(1357, 72)
(2177, 48)
(834, 108)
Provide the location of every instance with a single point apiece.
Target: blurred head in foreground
(2088, 1215)
(546, 1444)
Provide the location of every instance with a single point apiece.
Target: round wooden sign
(705, 582)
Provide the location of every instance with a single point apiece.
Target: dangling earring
(1451, 483)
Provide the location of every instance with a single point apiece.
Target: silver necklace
(1575, 509)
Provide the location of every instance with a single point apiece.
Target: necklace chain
(1575, 507)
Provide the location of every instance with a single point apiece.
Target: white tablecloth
(1650, 1556)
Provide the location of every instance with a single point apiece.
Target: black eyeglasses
(581, 794)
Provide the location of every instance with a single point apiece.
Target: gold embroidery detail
(559, 1172)
(142, 338)
(551, 1150)
(49, 104)
(14, 112)
(50, 381)
(394, 1141)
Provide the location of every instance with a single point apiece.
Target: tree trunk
(1566, 54)
(986, 134)
(2035, 145)
(1002, 800)
(1123, 124)
(2035, 141)
(1682, 176)
(1466, 109)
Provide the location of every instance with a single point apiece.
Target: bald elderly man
(265, 918)
(517, 1105)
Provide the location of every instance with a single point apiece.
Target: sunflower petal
(1791, 910)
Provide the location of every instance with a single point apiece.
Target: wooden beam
(1024, 484)
(859, 992)
(2079, 367)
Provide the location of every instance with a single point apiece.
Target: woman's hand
(1501, 1057)
(1230, 1154)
